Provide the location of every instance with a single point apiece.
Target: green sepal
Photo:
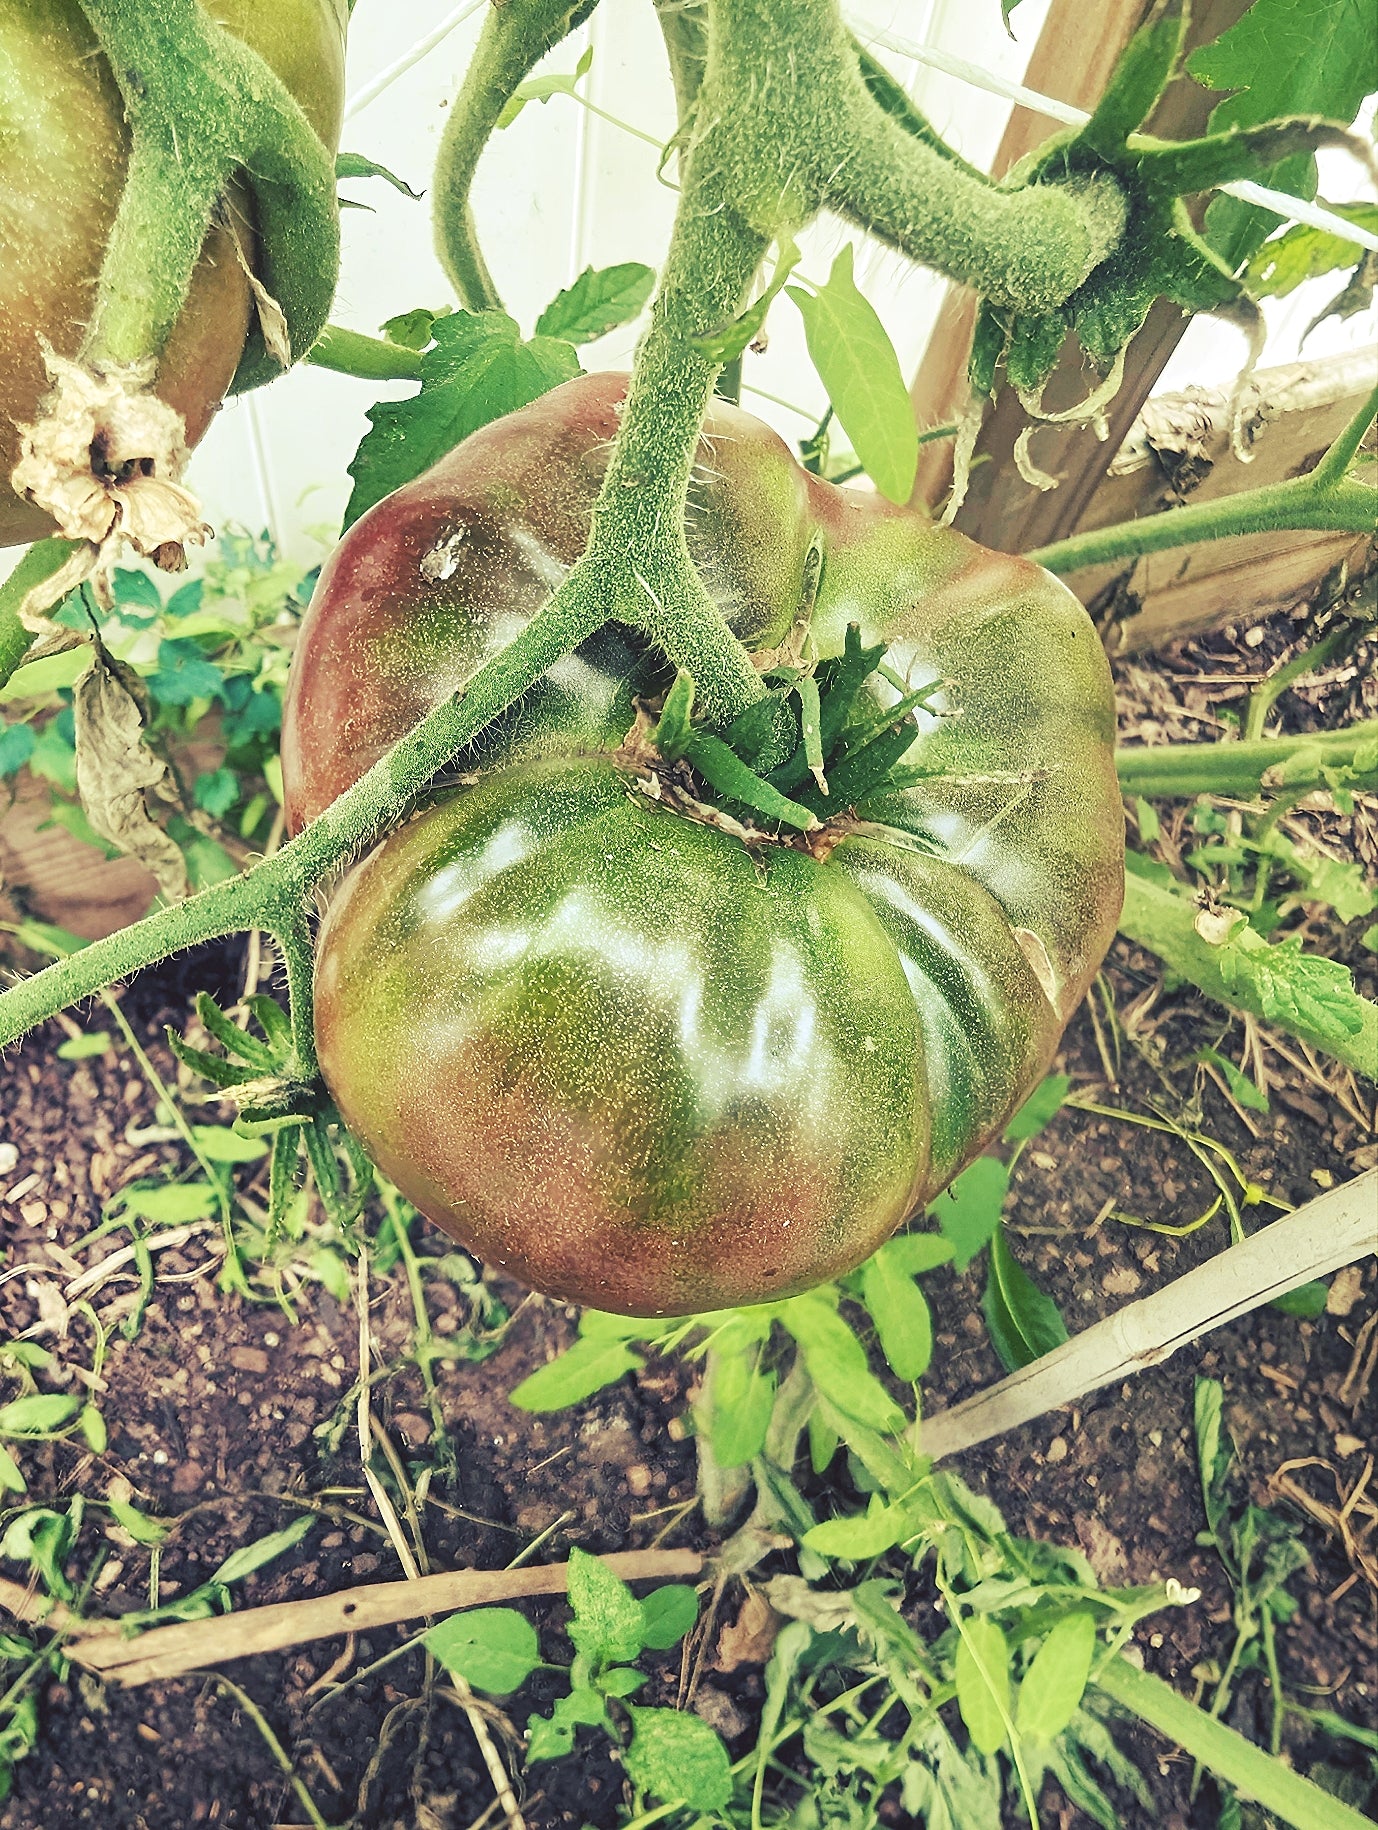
(1144, 70)
(273, 1020)
(232, 1038)
(765, 733)
(672, 733)
(282, 1174)
(724, 770)
(215, 1068)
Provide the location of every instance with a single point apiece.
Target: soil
(219, 1407)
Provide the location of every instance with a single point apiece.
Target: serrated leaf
(1052, 1687)
(1307, 1300)
(1024, 1323)
(900, 1312)
(863, 1536)
(608, 1625)
(586, 1368)
(678, 1759)
(477, 369)
(600, 300)
(1290, 985)
(1304, 253)
(969, 1211)
(983, 1682)
(857, 364)
(1284, 58)
(549, 1737)
(494, 1649)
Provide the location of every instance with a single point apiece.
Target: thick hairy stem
(808, 133)
(515, 37)
(274, 894)
(1157, 771)
(201, 105)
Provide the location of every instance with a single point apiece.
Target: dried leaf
(115, 768)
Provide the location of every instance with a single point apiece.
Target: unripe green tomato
(606, 1043)
(63, 149)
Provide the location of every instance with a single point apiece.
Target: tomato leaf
(900, 1313)
(1244, 1089)
(81, 1048)
(38, 1414)
(1024, 1323)
(857, 364)
(599, 301)
(250, 1557)
(969, 1211)
(1284, 57)
(548, 1737)
(1054, 1683)
(541, 88)
(1307, 1300)
(861, 1536)
(1304, 253)
(587, 1367)
(477, 369)
(678, 1758)
(836, 1362)
(355, 165)
(494, 1649)
(740, 1398)
(983, 1682)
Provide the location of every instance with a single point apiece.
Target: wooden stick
(1336, 1229)
(165, 1652)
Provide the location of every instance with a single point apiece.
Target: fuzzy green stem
(515, 37)
(1252, 1772)
(1238, 770)
(1344, 507)
(201, 104)
(1165, 923)
(807, 133)
(350, 352)
(1267, 693)
(40, 562)
(273, 895)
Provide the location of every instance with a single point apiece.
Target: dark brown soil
(218, 1408)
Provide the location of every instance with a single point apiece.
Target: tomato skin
(63, 149)
(530, 1098)
(609, 1049)
(435, 579)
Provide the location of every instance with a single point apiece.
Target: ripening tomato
(604, 1041)
(63, 149)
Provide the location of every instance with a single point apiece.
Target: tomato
(63, 149)
(599, 1038)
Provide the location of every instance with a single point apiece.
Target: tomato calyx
(800, 760)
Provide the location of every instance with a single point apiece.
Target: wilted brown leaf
(115, 767)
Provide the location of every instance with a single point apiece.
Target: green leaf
(355, 165)
(541, 88)
(216, 791)
(477, 370)
(41, 679)
(599, 301)
(184, 675)
(740, 1400)
(250, 1557)
(82, 1048)
(862, 1536)
(1053, 1685)
(413, 329)
(16, 746)
(220, 1144)
(678, 1758)
(93, 1429)
(494, 1649)
(1307, 1300)
(900, 1313)
(983, 1682)
(1291, 986)
(587, 1367)
(857, 364)
(1042, 1105)
(169, 1204)
(608, 1624)
(1024, 1323)
(1245, 1089)
(140, 1527)
(1212, 1452)
(1316, 57)
(11, 1474)
(1304, 253)
(666, 1616)
(836, 1362)
(38, 1414)
(969, 1211)
(549, 1737)
(1141, 74)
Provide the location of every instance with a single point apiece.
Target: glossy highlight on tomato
(600, 1039)
(64, 144)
